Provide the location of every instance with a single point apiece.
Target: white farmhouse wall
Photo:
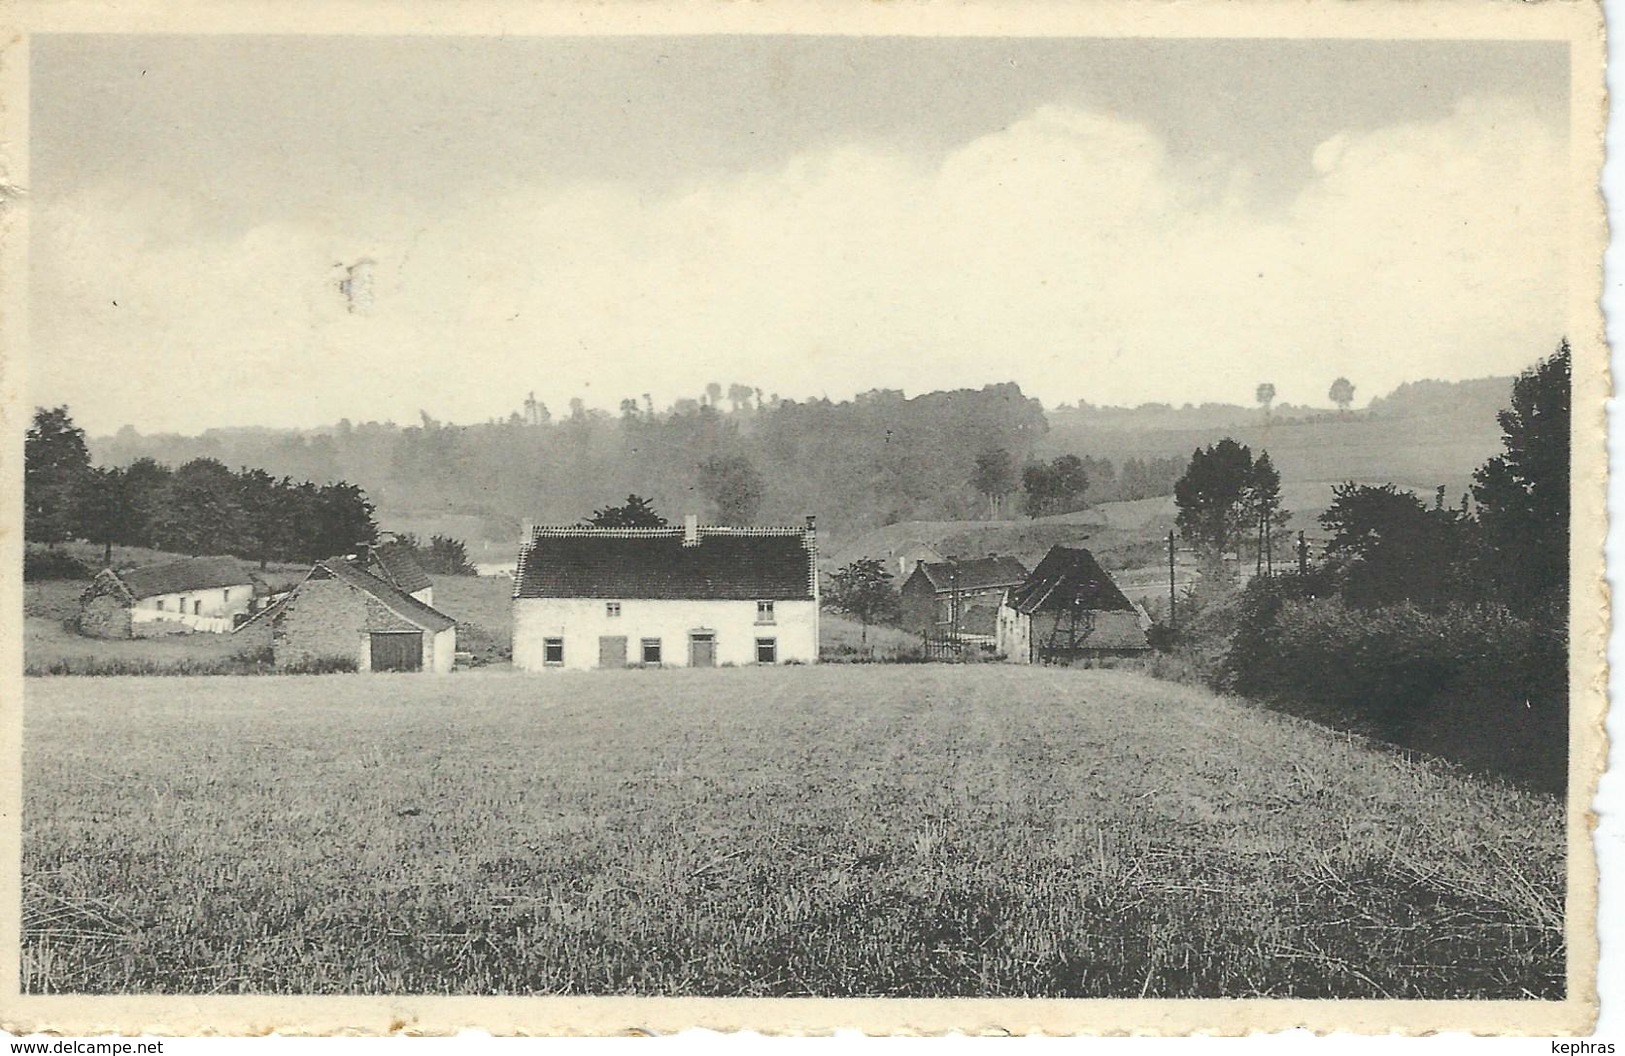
(1013, 636)
(440, 651)
(582, 621)
(214, 601)
(216, 606)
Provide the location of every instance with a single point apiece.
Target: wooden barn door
(612, 651)
(397, 651)
(702, 650)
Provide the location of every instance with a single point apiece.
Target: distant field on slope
(920, 830)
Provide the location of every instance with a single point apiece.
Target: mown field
(920, 830)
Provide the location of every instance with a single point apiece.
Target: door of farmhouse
(612, 651)
(702, 650)
(397, 651)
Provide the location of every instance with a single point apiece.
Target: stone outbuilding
(207, 594)
(340, 613)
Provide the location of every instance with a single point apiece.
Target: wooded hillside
(877, 459)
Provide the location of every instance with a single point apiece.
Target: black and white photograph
(1063, 507)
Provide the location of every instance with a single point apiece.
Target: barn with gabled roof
(1069, 609)
(341, 614)
(695, 596)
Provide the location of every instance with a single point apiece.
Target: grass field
(918, 830)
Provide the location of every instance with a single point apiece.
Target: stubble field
(924, 830)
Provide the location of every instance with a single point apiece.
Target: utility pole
(1170, 579)
(1303, 556)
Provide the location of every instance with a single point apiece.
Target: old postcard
(1066, 518)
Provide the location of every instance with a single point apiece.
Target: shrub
(53, 564)
(1475, 684)
(323, 665)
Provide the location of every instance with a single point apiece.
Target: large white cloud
(1064, 252)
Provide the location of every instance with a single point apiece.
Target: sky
(286, 231)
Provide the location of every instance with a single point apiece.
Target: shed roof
(397, 601)
(978, 573)
(1068, 577)
(346, 569)
(193, 573)
(395, 564)
(656, 563)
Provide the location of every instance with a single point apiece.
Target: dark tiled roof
(195, 573)
(394, 564)
(1068, 577)
(727, 563)
(979, 573)
(400, 603)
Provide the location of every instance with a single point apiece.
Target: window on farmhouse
(767, 651)
(197, 608)
(225, 596)
(612, 608)
(764, 612)
(552, 650)
(160, 604)
(651, 650)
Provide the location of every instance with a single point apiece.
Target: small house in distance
(665, 597)
(908, 557)
(341, 612)
(206, 594)
(949, 597)
(1069, 609)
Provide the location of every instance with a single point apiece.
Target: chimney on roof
(811, 537)
(526, 533)
(691, 529)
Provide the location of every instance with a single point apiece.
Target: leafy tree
(635, 512)
(733, 487)
(105, 513)
(1214, 497)
(1058, 487)
(344, 519)
(146, 484)
(56, 477)
(1523, 495)
(863, 590)
(994, 478)
(1265, 493)
(264, 531)
(201, 512)
(1388, 547)
(1342, 394)
(1266, 396)
(446, 556)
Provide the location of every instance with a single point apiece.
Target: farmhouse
(342, 613)
(1068, 609)
(666, 597)
(958, 597)
(197, 594)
